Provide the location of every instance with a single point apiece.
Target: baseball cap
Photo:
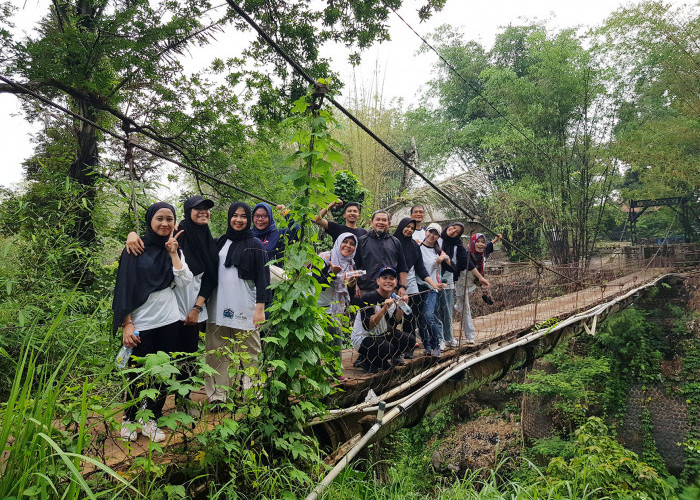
(198, 202)
(388, 270)
(435, 227)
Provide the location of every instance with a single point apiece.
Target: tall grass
(39, 459)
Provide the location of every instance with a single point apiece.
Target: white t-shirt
(187, 296)
(233, 302)
(161, 307)
(358, 330)
(431, 265)
(419, 235)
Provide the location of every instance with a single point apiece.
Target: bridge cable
(263, 34)
(195, 170)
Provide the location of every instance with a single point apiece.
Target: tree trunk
(83, 172)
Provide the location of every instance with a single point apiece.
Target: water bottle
(404, 307)
(123, 355)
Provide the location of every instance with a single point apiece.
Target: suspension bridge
(536, 307)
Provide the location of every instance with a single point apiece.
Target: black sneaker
(368, 367)
(398, 361)
(408, 355)
(358, 362)
(487, 298)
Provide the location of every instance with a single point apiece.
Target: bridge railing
(525, 295)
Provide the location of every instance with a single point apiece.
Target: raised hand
(171, 245)
(335, 269)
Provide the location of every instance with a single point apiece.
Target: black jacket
(373, 253)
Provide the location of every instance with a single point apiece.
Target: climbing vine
(297, 346)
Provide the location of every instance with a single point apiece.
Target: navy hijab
(138, 276)
(270, 236)
(245, 253)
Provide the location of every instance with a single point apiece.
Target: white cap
(435, 226)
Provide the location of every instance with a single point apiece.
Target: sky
(402, 71)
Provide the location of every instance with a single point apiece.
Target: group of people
(177, 280)
(408, 289)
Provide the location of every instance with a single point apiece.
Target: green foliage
(41, 262)
(347, 187)
(690, 390)
(599, 467)
(653, 64)
(553, 173)
(44, 427)
(549, 448)
(297, 348)
(604, 465)
(574, 387)
(633, 347)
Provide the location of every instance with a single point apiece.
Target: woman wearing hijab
(451, 269)
(479, 251)
(414, 262)
(144, 302)
(202, 256)
(273, 239)
(237, 305)
(336, 297)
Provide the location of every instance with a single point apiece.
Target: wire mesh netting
(521, 296)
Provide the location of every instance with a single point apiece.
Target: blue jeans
(445, 304)
(427, 321)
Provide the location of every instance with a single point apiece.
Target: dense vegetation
(586, 107)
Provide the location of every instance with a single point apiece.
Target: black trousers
(164, 338)
(379, 350)
(188, 342)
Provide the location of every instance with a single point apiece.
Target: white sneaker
(452, 343)
(442, 345)
(128, 431)
(152, 432)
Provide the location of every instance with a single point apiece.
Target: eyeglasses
(261, 216)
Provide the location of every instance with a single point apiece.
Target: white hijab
(345, 263)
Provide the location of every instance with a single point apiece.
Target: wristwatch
(199, 308)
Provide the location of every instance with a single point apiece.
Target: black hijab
(246, 252)
(449, 244)
(405, 240)
(197, 243)
(138, 276)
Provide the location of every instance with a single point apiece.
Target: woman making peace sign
(144, 302)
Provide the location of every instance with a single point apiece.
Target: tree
(100, 56)
(654, 56)
(111, 60)
(533, 113)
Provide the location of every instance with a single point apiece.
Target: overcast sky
(403, 71)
